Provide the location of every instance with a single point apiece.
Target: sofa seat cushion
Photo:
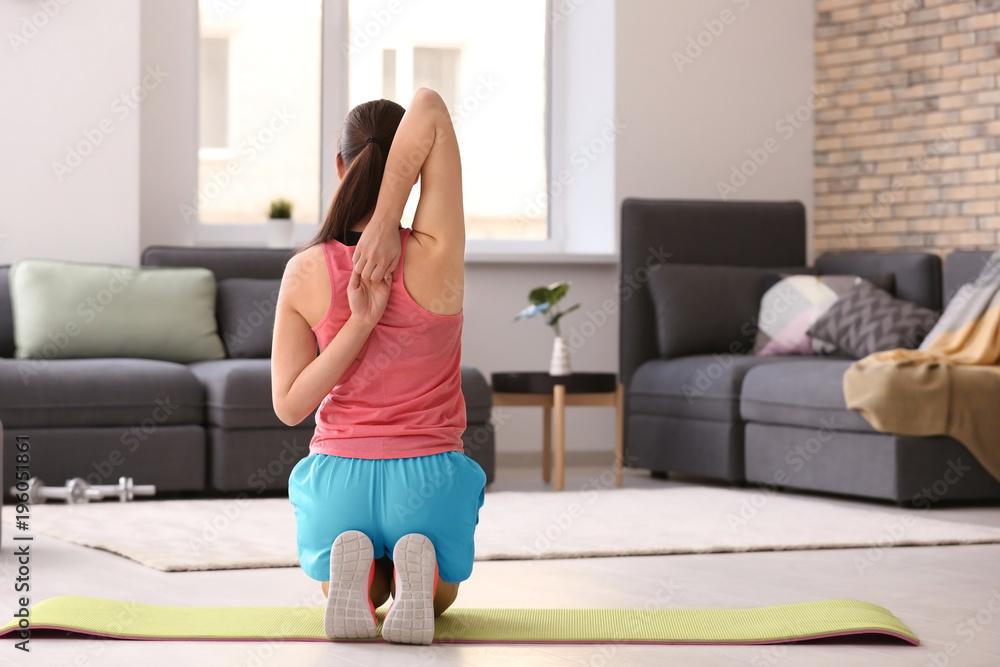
(808, 393)
(696, 387)
(238, 394)
(46, 393)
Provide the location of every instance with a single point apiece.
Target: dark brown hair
(364, 146)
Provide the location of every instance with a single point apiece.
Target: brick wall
(907, 148)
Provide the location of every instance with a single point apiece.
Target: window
(260, 91)
(489, 65)
(259, 109)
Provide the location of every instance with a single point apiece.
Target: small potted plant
(543, 302)
(280, 224)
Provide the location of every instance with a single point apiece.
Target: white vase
(560, 358)
(279, 232)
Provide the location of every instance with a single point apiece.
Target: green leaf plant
(543, 302)
(281, 209)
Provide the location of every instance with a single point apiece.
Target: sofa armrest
(477, 394)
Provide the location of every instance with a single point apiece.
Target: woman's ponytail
(357, 193)
(364, 146)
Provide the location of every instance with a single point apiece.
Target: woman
(386, 473)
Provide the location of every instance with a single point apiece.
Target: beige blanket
(951, 385)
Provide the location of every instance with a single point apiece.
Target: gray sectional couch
(206, 426)
(706, 408)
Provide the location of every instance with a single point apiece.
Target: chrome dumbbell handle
(125, 490)
(77, 491)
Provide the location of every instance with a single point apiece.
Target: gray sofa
(709, 409)
(206, 426)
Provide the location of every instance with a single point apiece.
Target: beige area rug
(181, 535)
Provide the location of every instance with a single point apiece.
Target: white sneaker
(349, 610)
(410, 619)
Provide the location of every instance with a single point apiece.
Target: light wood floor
(934, 590)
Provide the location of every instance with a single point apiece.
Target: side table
(558, 392)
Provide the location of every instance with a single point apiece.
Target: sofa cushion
(790, 307)
(695, 387)
(38, 393)
(960, 267)
(867, 319)
(808, 393)
(238, 394)
(886, 281)
(703, 309)
(246, 316)
(79, 310)
(917, 274)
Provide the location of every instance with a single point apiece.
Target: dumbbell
(78, 491)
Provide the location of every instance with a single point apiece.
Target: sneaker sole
(410, 619)
(349, 613)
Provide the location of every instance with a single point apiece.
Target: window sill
(540, 258)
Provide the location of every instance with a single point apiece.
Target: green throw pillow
(66, 310)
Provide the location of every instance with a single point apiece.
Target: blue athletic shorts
(438, 496)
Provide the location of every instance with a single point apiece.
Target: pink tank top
(402, 396)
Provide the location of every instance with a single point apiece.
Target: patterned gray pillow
(866, 319)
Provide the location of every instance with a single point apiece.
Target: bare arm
(299, 378)
(425, 144)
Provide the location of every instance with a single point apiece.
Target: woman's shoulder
(306, 262)
(306, 284)
(305, 270)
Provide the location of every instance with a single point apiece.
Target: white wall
(686, 128)
(58, 88)
(583, 136)
(169, 134)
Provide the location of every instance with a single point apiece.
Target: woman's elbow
(429, 99)
(287, 415)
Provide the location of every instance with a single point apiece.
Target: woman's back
(363, 310)
(402, 395)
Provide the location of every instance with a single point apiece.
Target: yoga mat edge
(755, 625)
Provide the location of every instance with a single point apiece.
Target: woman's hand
(377, 253)
(368, 298)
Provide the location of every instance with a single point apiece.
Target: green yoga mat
(756, 625)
